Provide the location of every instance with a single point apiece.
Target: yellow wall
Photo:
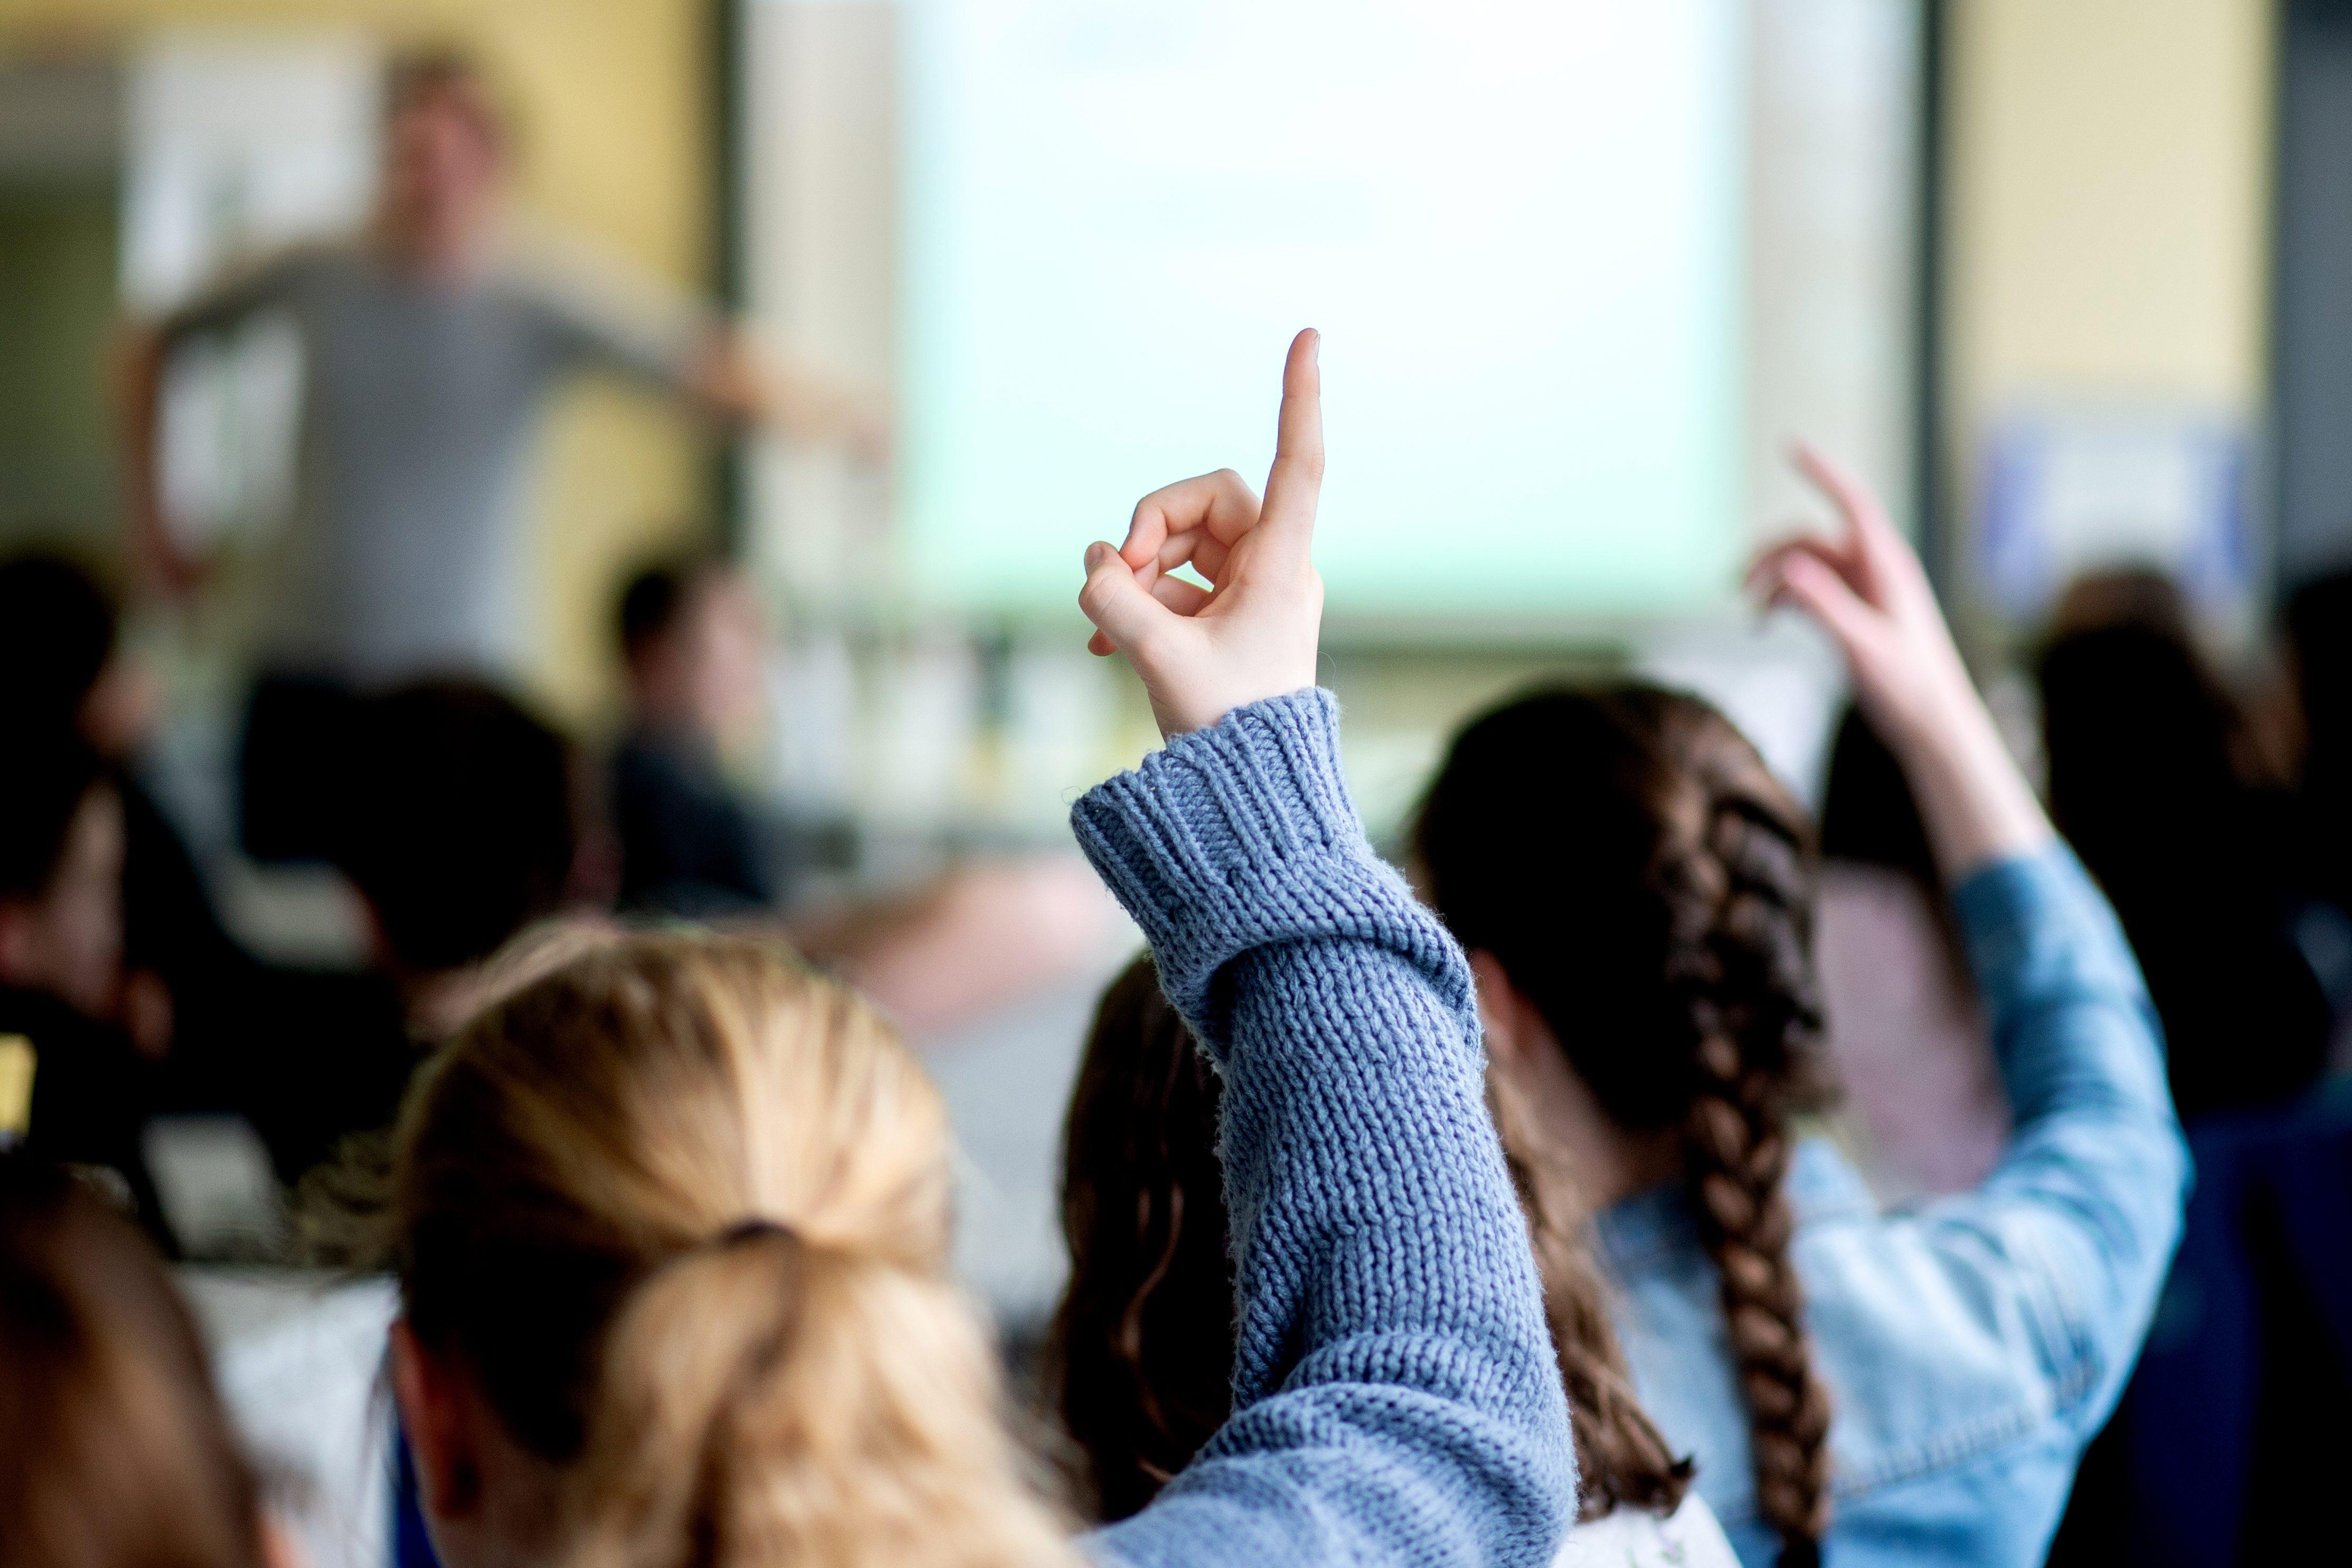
(612, 98)
(2110, 169)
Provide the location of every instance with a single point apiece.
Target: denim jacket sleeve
(2080, 1216)
(1395, 1394)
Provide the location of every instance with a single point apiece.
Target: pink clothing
(1924, 1110)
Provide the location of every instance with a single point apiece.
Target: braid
(1741, 961)
(1627, 859)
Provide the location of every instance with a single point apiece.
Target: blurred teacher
(429, 351)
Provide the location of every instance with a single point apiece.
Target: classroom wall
(612, 98)
(2107, 221)
(1831, 269)
(2107, 216)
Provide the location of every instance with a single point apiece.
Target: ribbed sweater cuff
(1241, 835)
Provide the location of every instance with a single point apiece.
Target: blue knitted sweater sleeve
(1395, 1396)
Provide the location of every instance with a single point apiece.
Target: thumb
(1121, 608)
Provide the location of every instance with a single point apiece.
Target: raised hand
(1251, 634)
(1869, 592)
(1867, 589)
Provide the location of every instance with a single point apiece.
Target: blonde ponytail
(681, 1208)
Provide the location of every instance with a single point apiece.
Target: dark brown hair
(460, 823)
(118, 1453)
(2144, 745)
(56, 633)
(1627, 858)
(1139, 1357)
(1622, 1459)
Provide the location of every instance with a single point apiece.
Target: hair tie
(752, 1229)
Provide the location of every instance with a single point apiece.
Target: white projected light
(1517, 226)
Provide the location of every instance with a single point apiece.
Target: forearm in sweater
(1396, 1395)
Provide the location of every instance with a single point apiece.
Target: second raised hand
(1868, 591)
(1251, 634)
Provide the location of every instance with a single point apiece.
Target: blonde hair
(680, 1208)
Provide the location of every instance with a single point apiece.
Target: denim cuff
(2009, 911)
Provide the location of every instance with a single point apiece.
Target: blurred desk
(1007, 1082)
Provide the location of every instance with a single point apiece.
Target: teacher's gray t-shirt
(404, 552)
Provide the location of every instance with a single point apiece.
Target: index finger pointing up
(1296, 477)
(1854, 502)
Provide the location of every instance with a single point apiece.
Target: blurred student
(61, 976)
(66, 676)
(1636, 893)
(307, 1056)
(1912, 1055)
(459, 827)
(117, 1452)
(432, 344)
(692, 646)
(1140, 1352)
(2318, 628)
(692, 844)
(2147, 781)
(671, 1215)
(462, 828)
(69, 683)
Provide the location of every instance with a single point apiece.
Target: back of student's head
(2122, 596)
(1869, 815)
(461, 823)
(678, 1209)
(56, 633)
(2319, 639)
(1626, 857)
(116, 1452)
(2139, 738)
(2145, 751)
(1139, 1357)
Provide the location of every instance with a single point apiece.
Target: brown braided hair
(1627, 858)
(1139, 1361)
(1622, 1459)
